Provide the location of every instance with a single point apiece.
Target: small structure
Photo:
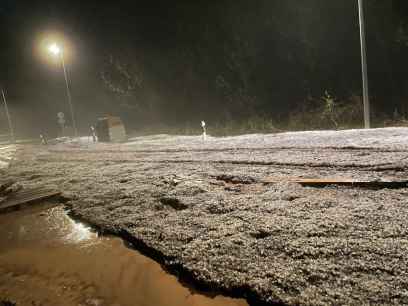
(110, 129)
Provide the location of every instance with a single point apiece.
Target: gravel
(201, 209)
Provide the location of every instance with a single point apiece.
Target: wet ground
(48, 259)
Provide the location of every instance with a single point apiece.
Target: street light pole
(69, 95)
(366, 99)
(57, 51)
(8, 117)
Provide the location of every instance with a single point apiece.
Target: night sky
(177, 62)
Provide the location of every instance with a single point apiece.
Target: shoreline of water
(47, 257)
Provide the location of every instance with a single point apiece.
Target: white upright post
(204, 130)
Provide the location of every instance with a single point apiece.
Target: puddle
(48, 259)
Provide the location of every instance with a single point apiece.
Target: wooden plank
(27, 197)
(5, 184)
(319, 182)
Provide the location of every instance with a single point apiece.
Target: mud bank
(47, 259)
(173, 266)
(271, 243)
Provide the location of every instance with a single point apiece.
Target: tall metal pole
(8, 117)
(366, 98)
(69, 96)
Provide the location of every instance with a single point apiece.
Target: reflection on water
(79, 233)
(69, 231)
(48, 259)
(47, 226)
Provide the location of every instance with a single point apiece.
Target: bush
(254, 124)
(327, 112)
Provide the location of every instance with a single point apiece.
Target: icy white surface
(281, 242)
(7, 153)
(384, 138)
(392, 138)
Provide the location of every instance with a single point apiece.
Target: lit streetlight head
(54, 49)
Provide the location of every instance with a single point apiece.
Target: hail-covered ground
(205, 209)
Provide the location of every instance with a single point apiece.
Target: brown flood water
(48, 259)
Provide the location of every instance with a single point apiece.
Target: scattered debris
(234, 179)
(12, 196)
(319, 182)
(314, 182)
(251, 228)
(7, 303)
(173, 202)
(5, 185)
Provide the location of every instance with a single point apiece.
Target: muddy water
(48, 259)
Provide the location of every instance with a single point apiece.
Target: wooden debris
(318, 182)
(19, 199)
(4, 185)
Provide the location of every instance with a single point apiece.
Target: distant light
(54, 49)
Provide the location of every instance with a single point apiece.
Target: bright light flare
(54, 49)
(51, 46)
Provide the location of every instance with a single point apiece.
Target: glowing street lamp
(55, 50)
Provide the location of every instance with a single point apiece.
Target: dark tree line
(229, 60)
(178, 62)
